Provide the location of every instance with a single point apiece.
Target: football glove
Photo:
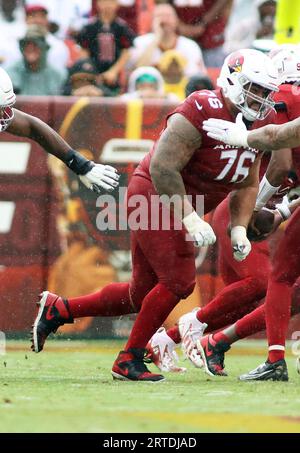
(241, 245)
(201, 231)
(101, 177)
(224, 131)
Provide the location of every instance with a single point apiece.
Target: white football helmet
(241, 70)
(7, 100)
(286, 58)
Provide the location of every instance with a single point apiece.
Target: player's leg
(114, 299)
(214, 346)
(246, 285)
(278, 303)
(246, 281)
(172, 259)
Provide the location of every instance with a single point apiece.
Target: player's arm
(241, 205)
(174, 150)
(279, 166)
(271, 137)
(94, 176)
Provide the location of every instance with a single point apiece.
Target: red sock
(220, 336)
(112, 300)
(156, 306)
(174, 334)
(278, 309)
(252, 323)
(226, 319)
(231, 303)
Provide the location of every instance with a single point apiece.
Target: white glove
(101, 177)
(224, 131)
(201, 231)
(241, 245)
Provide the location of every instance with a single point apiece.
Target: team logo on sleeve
(235, 63)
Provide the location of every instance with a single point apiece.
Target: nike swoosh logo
(49, 315)
(199, 107)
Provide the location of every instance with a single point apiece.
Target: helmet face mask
(7, 100)
(6, 116)
(249, 76)
(266, 102)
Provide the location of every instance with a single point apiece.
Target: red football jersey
(288, 103)
(215, 168)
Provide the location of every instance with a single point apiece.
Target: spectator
(82, 80)
(205, 22)
(33, 75)
(58, 55)
(147, 82)
(172, 67)
(260, 25)
(128, 11)
(12, 26)
(149, 48)
(65, 14)
(107, 40)
(197, 83)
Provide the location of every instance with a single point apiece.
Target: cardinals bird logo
(235, 62)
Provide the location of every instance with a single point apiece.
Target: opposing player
(94, 176)
(183, 162)
(286, 267)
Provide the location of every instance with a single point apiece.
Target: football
(262, 225)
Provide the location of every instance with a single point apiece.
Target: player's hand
(101, 177)
(241, 245)
(201, 231)
(227, 132)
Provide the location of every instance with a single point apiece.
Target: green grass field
(68, 388)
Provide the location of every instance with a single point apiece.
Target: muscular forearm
(279, 166)
(33, 128)
(275, 137)
(242, 203)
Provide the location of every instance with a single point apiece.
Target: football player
(94, 176)
(286, 263)
(184, 161)
(246, 283)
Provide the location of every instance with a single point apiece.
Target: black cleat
(267, 371)
(48, 319)
(130, 366)
(213, 354)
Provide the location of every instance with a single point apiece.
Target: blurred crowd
(128, 48)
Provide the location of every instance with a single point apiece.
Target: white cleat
(161, 350)
(191, 330)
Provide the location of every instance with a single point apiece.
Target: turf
(68, 388)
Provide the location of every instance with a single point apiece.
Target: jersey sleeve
(194, 109)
